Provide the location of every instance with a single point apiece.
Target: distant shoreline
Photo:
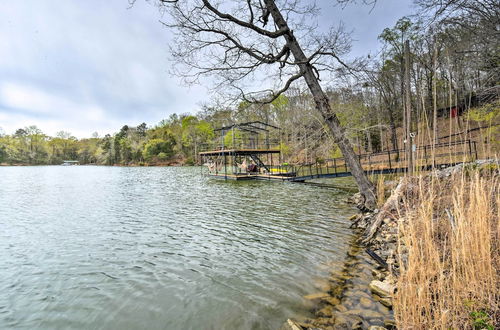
(114, 165)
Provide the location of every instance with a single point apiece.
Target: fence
(425, 157)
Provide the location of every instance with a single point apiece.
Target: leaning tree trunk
(366, 188)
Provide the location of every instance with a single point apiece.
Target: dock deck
(238, 152)
(249, 177)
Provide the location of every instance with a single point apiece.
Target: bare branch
(270, 34)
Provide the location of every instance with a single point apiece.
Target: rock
(336, 273)
(385, 311)
(332, 300)
(366, 314)
(386, 301)
(359, 201)
(359, 293)
(351, 253)
(369, 314)
(376, 327)
(337, 291)
(326, 311)
(291, 325)
(392, 247)
(341, 322)
(318, 295)
(341, 308)
(323, 322)
(345, 277)
(447, 172)
(389, 323)
(365, 302)
(382, 289)
(356, 198)
(348, 303)
(357, 325)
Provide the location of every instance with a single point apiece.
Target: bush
(481, 320)
(158, 148)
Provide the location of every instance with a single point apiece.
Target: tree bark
(366, 188)
(434, 95)
(392, 124)
(407, 97)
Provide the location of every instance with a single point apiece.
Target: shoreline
(347, 300)
(379, 239)
(114, 165)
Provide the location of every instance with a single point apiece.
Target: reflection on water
(161, 248)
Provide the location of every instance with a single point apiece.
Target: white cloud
(86, 66)
(24, 105)
(94, 62)
(50, 126)
(94, 114)
(30, 98)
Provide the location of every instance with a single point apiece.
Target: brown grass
(380, 190)
(451, 263)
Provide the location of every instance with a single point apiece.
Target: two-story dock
(244, 151)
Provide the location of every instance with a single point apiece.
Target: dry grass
(450, 270)
(380, 190)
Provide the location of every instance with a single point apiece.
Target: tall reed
(449, 254)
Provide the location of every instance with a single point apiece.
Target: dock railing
(240, 143)
(390, 161)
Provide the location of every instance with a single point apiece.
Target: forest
(453, 60)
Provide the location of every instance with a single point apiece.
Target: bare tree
(477, 19)
(245, 45)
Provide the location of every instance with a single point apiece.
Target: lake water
(161, 248)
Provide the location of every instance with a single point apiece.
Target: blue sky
(93, 66)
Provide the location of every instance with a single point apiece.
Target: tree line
(434, 65)
(172, 140)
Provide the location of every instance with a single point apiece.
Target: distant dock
(70, 162)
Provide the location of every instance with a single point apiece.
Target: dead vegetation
(448, 244)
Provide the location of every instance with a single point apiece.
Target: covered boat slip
(243, 164)
(243, 151)
(239, 152)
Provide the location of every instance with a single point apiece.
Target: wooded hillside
(453, 94)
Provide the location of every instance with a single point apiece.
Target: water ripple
(160, 248)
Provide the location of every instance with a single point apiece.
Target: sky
(94, 66)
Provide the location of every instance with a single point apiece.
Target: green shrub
(158, 148)
(481, 320)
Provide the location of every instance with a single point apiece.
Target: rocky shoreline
(359, 295)
(378, 242)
